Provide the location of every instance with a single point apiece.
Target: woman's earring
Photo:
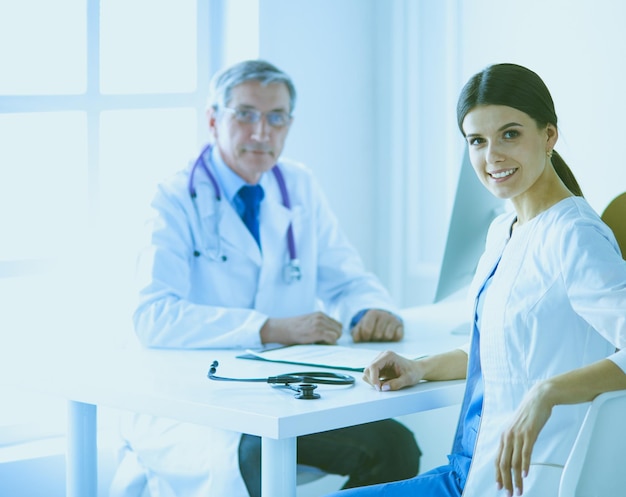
(549, 154)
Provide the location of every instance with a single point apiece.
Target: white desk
(174, 384)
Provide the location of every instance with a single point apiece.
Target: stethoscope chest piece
(306, 391)
(292, 272)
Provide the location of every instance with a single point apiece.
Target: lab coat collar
(229, 181)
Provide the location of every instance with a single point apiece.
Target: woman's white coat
(557, 302)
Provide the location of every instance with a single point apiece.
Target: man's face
(251, 148)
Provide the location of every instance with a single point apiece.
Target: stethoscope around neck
(292, 271)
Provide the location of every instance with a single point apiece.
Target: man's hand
(316, 327)
(378, 326)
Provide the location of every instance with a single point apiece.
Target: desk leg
(278, 467)
(82, 456)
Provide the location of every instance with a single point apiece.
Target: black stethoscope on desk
(292, 270)
(306, 382)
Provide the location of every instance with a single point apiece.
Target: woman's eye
(475, 140)
(511, 133)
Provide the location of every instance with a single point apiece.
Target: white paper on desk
(325, 356)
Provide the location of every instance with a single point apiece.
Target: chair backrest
(595, 466)
(615, 217)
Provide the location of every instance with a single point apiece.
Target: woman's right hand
(390, 371)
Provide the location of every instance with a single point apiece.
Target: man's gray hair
(265, 73)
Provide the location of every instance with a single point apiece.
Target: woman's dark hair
(522, 89)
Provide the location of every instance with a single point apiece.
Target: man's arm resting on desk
(315, 327)
(374, 325)
(390, 371)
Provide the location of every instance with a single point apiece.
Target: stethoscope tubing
(293, 267)
(313, 377)
(200, 162)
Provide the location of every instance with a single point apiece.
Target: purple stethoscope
(292, 270)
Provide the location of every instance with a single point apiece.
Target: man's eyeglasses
(275, 118)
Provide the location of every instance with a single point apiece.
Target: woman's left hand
(517, 442)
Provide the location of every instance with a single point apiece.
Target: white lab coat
(557, 302)
(221, 297)
(204, 301)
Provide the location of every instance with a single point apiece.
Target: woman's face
(508, 151)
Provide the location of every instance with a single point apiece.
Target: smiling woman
(509, 151)
(548, 300)
(516, 111)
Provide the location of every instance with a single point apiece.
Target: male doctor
(220, 271)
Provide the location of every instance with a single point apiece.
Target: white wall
(368, 73)
(328, 48)
(378, 83)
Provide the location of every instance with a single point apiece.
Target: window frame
(210, 32)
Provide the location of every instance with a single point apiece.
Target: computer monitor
(474, 209)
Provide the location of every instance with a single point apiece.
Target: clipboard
(316, 355)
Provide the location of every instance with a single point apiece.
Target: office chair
(595, 466)
(615, 217)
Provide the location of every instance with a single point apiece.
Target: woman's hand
(518, 441)
(390, 371)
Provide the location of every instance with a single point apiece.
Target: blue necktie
(251, 196)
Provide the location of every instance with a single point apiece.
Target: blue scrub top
(462, 458)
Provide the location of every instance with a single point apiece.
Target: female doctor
(208, 280)
(548, 302)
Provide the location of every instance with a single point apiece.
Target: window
(99, 100)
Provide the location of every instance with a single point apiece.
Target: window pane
(43, 183)
(138, 149)
(242, 31)
(43, 47)
(147, 46)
